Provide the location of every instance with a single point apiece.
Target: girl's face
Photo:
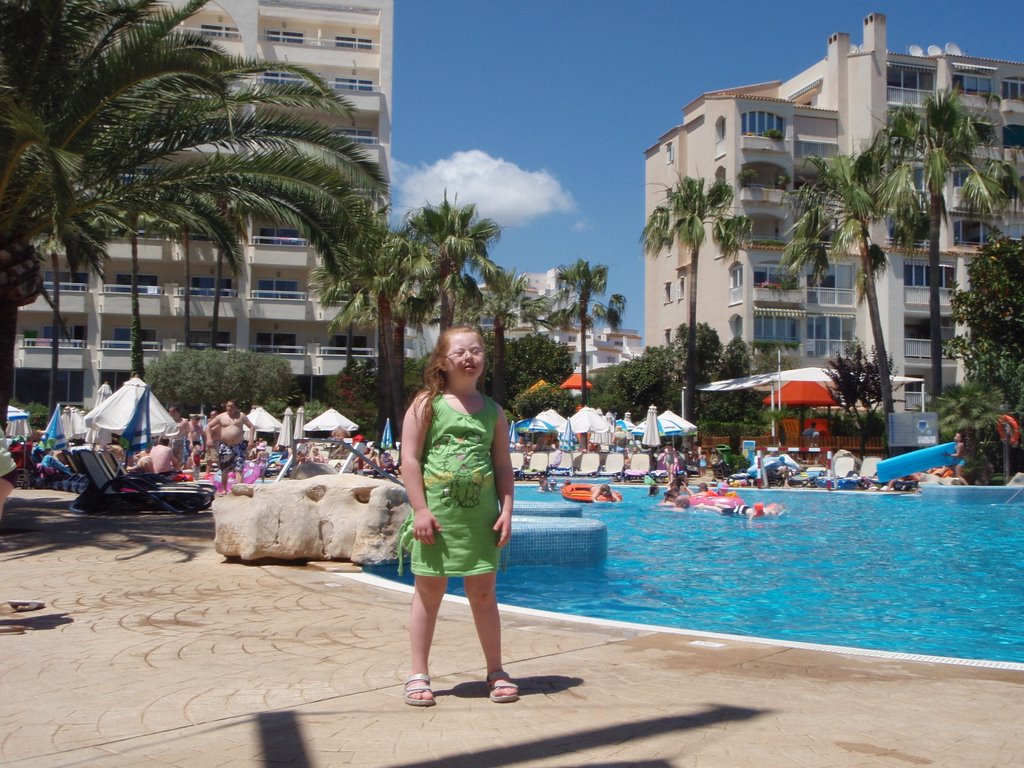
(465, 357)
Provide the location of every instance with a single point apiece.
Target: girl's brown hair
(434, 379)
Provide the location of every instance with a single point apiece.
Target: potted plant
(774, 133)
(782, 180)
(746, 177)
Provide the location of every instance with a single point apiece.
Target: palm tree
(685, 216)
(579, 286)
(459, 242)
(834, 214)
(507, 305)
(972, 410)
(942, 137)
(103, 103)
(370, 291)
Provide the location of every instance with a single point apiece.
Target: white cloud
(501, 190)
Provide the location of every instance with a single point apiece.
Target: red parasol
(803, 393)
(575, 382)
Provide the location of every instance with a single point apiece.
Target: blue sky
(539, 111)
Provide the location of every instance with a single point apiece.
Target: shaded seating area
(112, 490)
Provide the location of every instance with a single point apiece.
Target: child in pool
(458, 476)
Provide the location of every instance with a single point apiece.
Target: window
(668, 291)
(1013, 88)
(203, 286)
(279, 236)
(668, 336)
(123, 338)
(148, 284)
(720, 129)
(349, 41)
(971, 232)
(275, 342)
(277, 289)
(77, 278)
(285, 36)
(682, 288)
(973, 84)
(670, 153)
(757, 123)
(831, 328)
(201, 339)
(774, 276)
(359, 135)
(75, 332)
(1013, 136)
(911, 78)
(775, 328)
(915, 274)
(341, 340)
(279, 78)
(218, 30)
(352, 84)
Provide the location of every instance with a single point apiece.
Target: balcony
(295, 355)
(280, 305)
(74, 299)
(906, 97)
(117, 300)
(779, 294)
(156, 249)
(280, 252)
(200, 303)
(1012, 106)
(755, 143)
(116, 355)
(757, 194)
(323, 52)
(830, 297)
(917, 296)
(920, 349)
(328, 361)
(361, 99)
(36, 353)
(826, 347)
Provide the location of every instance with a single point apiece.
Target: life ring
(1008, 429)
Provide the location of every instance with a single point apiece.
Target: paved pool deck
(154, 651)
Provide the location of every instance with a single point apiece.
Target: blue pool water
(892, 572)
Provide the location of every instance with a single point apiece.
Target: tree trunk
(934, 305)
(20, 283)
(447, 313)
(691, 339)
(385, 339)
(8, 331)
(398, 377)
(583, 355)
(185, 244)
(871, 296)
(138, 361)
(348, 347)
(54, 342)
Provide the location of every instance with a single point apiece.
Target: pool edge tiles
(381, 582)
(568, 542)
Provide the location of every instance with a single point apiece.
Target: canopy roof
(574, 382)
(114, 413)
(802, 393)
(777, 378)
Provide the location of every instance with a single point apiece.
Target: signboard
(913, 429)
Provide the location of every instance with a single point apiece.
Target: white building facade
(267, 306)
(758, 138)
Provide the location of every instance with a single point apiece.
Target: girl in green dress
(458, 476)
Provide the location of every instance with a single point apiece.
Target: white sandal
(499, 678)
(418, 684)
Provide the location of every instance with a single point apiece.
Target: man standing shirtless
(227, 432)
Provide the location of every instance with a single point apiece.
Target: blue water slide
(916, 461)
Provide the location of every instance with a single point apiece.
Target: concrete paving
(154, 651)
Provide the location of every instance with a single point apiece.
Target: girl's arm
(504, 480)
(413, 435)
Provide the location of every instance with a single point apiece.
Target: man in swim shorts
(227, 431)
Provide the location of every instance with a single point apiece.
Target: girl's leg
(426, 602)
(484, 601)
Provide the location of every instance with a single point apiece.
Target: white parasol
(652, 434)
(115, 412)
(286, 437)
(330, 420)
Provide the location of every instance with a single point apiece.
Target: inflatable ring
(1008, 429)
(585, 493)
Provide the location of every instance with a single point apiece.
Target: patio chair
(590, 464)
(538, 465)
(639, 468)
(110, 491)
(517, 464)
(614, 466)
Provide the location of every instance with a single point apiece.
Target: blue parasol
(137, 435)
(387, 441)
(567, 440)
(53, 438)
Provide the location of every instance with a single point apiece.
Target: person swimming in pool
(602, 492)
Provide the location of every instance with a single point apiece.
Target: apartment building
(267, 305)
(758, 137)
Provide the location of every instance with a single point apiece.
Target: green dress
(458, 479)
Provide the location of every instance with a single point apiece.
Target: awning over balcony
(779, 312)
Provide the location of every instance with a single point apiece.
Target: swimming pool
(893, 572)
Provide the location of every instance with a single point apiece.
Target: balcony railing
(114, 344)
(68, 287)
(362, 352)
(830, 297)
(180, 345)
(207, 293)
(918, 295)
(826, 347)
(322, 42)
(906, 96)
(298, 242)
(280, 295)
(278, 349)
(920, 348)
(144, 290)
(802, 148)
(37, 342)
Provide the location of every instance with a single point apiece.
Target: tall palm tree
(370, 291)
(972, 410)
(684, 218)
(834, 215)
(459, 242)
(507, 304)
(576, 301)
(103, 102)
(941, 138)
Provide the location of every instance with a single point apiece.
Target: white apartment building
(605, 346)
(759, 136)
(267, 306)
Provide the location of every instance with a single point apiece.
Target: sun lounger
(589, 465)
(538, 465)
(517, 465)
(110, 491)
(564, 466)
(639, 468)
(614, 466)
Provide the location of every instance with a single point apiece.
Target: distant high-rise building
(758, 137)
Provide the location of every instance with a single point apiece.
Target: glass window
(668, 291)
(756, 123)
(279, 236)
(203, 286)
(68, 277)
(349, 41)
(972, 84)
(1013, 88)
(910, 78)
(285, 36)
(736, 277)
(125, 334)
(915, 274)
(76, 332)
(218, 30)
(670, 153)
(266, 342)
(1013, 135)
(971, 232)
(774, 328)
(352, 84)
(285, 288)
(281, 77)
